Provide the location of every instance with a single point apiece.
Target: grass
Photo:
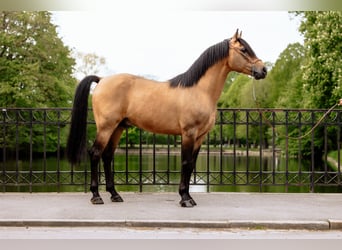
(333, 155)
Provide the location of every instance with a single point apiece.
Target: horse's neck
(213, 81)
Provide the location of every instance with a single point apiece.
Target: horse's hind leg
(107, 158)
(95, 154)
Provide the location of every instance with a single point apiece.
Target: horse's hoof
(116, 198)
(187, 203)
(97, 200)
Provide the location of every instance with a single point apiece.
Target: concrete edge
(252, 225)
(282, 225)
(335, 224)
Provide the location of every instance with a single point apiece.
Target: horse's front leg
(187, 153)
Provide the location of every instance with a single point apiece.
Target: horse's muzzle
(259, 73)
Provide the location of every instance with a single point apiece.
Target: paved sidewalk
(214, 210)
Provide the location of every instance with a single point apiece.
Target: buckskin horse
(185, 105)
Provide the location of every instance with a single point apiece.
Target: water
(160, 173)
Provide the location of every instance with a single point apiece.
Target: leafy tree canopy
(322, 71)
(35, 66)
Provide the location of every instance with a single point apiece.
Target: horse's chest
(202, 120)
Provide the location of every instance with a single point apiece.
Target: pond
(160, 173)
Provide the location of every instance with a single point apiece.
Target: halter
(252, 62)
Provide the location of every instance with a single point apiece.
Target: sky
(162, 44)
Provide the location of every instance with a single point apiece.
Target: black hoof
(187, 203)
(97, 200)
(116, 198)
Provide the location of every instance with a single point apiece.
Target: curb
(252, 225)
(335, 224)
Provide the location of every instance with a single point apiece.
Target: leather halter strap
(245, 56)
(252, 62)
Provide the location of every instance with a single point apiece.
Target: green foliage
(133, 136)
(322, 71)
(232, 97)
(286, 78)
(35, 66)
(36, 71)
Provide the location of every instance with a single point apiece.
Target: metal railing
(263, 150)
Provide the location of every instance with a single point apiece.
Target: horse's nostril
(264, 70)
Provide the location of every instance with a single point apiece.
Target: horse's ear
(236, 35)
(240, 34)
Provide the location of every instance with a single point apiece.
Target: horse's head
(243, 59)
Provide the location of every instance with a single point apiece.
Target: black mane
(208, 58)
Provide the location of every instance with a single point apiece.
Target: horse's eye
(244, 50)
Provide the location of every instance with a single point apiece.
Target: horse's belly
(157, 126)
(156, 121)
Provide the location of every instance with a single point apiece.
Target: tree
(89, 64)
(322, 71)
(285, 77)
(35, 66)
(231, 96)
(36, 71)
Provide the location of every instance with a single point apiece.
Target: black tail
(76, 145)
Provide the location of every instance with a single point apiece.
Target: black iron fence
(264, 150)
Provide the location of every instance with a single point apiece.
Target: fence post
(3, 150)
(31, 150)
(140, 162)
(312, 179)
